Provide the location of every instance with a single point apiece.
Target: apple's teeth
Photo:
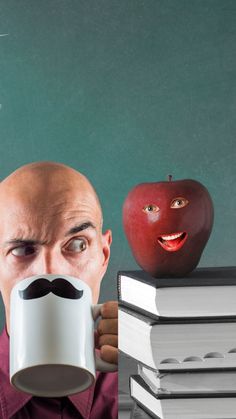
(172, 236)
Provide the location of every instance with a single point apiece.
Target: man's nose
(51, 261)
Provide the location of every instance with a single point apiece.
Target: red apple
(167, 225)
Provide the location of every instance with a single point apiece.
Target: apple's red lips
(173, 241)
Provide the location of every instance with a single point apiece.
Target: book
(189, 382)
(206, 292)
(184, 407)
(180, 344)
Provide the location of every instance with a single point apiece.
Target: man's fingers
(109, 354)
(109, 310)
(107, 329)
(108, 326)
(111, 340)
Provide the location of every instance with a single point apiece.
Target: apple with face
(167, 225)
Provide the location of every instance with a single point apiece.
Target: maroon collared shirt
(98, 402)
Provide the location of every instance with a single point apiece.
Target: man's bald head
(44, 182)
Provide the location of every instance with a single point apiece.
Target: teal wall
(125, 91)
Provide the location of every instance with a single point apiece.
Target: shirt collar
(14, 400)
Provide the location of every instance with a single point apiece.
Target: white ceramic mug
(52, 336)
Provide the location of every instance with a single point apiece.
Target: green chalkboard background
(125, 91)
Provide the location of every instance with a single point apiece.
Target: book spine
(154, 384)
(119, 286)
(145, 408)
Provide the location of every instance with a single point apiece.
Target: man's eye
(76, 245)
(23, 251)
(150, 208)
(179, 203)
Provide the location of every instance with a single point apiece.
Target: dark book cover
(168, 396)
(176, 320)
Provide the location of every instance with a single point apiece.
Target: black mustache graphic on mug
(59, 286)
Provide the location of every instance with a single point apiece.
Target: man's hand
(108, 332)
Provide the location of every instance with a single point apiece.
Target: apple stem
(169, 178)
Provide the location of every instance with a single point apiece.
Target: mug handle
(101, 365)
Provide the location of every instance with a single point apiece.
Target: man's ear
(106, 248)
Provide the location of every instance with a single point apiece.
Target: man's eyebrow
(80, 227)
(22, 242)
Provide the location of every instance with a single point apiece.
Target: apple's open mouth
(172, 242)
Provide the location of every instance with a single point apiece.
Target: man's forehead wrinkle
(67, 211)
(44, 224)
(21, 234)
(20, 222)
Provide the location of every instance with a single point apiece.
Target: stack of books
(182, 333)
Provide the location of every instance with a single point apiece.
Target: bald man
(51, 223)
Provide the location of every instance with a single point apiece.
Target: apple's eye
(179, 202)
(150, 208)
